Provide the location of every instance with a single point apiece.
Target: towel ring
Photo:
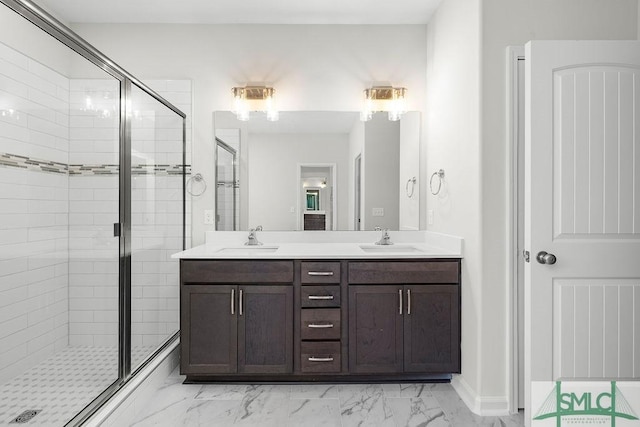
(411, 181)
(440, 175)
(197, 178)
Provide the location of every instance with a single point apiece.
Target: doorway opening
(317, 197)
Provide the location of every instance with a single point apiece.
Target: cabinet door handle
(320, 297)
(233, 302)
(320, 273)
(320, 325)
(320, 359)
(240, 303)
(400, 301)
(408, 301)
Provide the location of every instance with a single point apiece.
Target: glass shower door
(157, 221)
(59, 199)
(226, 187)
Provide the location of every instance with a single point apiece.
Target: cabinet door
(375, 329)
(265, 329)
(209, 333)
(432, 329)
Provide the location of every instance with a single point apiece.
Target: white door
(582, 204)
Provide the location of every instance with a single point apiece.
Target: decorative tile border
(38, 165)
(28, 163)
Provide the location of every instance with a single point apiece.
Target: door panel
(582, 192)
(432, 329)
(594, 328)
(594, 158)
(375, 329)
(209, 342)
(265, 329)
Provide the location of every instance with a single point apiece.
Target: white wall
(381, 166)
(453, 144)
(531, 19)
(409, 207)
(356, 148)
(273, 181)
(466, 136)
(312, 67)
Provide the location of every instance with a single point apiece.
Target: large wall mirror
(314, 170)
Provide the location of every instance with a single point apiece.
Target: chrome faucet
(385, 239)
(252, 239)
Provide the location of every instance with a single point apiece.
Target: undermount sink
(248, 250)
(389, 249)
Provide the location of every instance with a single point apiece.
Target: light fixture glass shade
(254, 98)
(384, 98)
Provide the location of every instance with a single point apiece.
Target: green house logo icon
(611, 404)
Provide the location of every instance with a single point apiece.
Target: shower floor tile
(62, 385)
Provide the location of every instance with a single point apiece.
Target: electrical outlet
(208, 216)
(430, 217)
(292, 209)
(377, 211)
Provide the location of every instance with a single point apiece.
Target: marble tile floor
(312, 405)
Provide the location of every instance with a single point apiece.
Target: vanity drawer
(240, 271)
(319, 356)
(320, 272)
(389, 272)
(320, 324)
(320, 296)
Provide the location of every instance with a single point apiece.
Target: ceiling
(242, 11)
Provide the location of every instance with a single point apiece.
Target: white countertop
(325, 245)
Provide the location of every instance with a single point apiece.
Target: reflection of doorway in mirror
(227, 184)
(316, 197)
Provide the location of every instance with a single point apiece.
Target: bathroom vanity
(299, 310)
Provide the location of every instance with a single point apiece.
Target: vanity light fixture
(384, 98)
(254, 98)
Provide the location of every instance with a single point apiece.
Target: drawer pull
(320, 273)
(399, 301)
(320, 325)
(320, 297)
(233, 303)
(320, 359)
(408, 301)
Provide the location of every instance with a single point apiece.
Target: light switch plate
(377, 212)
(430, 217)
(208, 216)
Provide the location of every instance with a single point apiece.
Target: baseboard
(483, 406)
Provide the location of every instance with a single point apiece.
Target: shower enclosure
(92, 176)
(227, 186)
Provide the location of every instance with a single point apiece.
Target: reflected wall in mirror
(318, 171)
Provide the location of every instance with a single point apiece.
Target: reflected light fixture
(254, 98)
(384, 98)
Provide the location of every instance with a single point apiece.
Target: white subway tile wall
(58, 203)
(156, 135)
(93, 209)
(34, 129)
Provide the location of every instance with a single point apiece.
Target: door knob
(546, 258)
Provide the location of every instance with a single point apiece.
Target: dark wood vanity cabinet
(404, 317)
(244, 327)
(305, 320)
